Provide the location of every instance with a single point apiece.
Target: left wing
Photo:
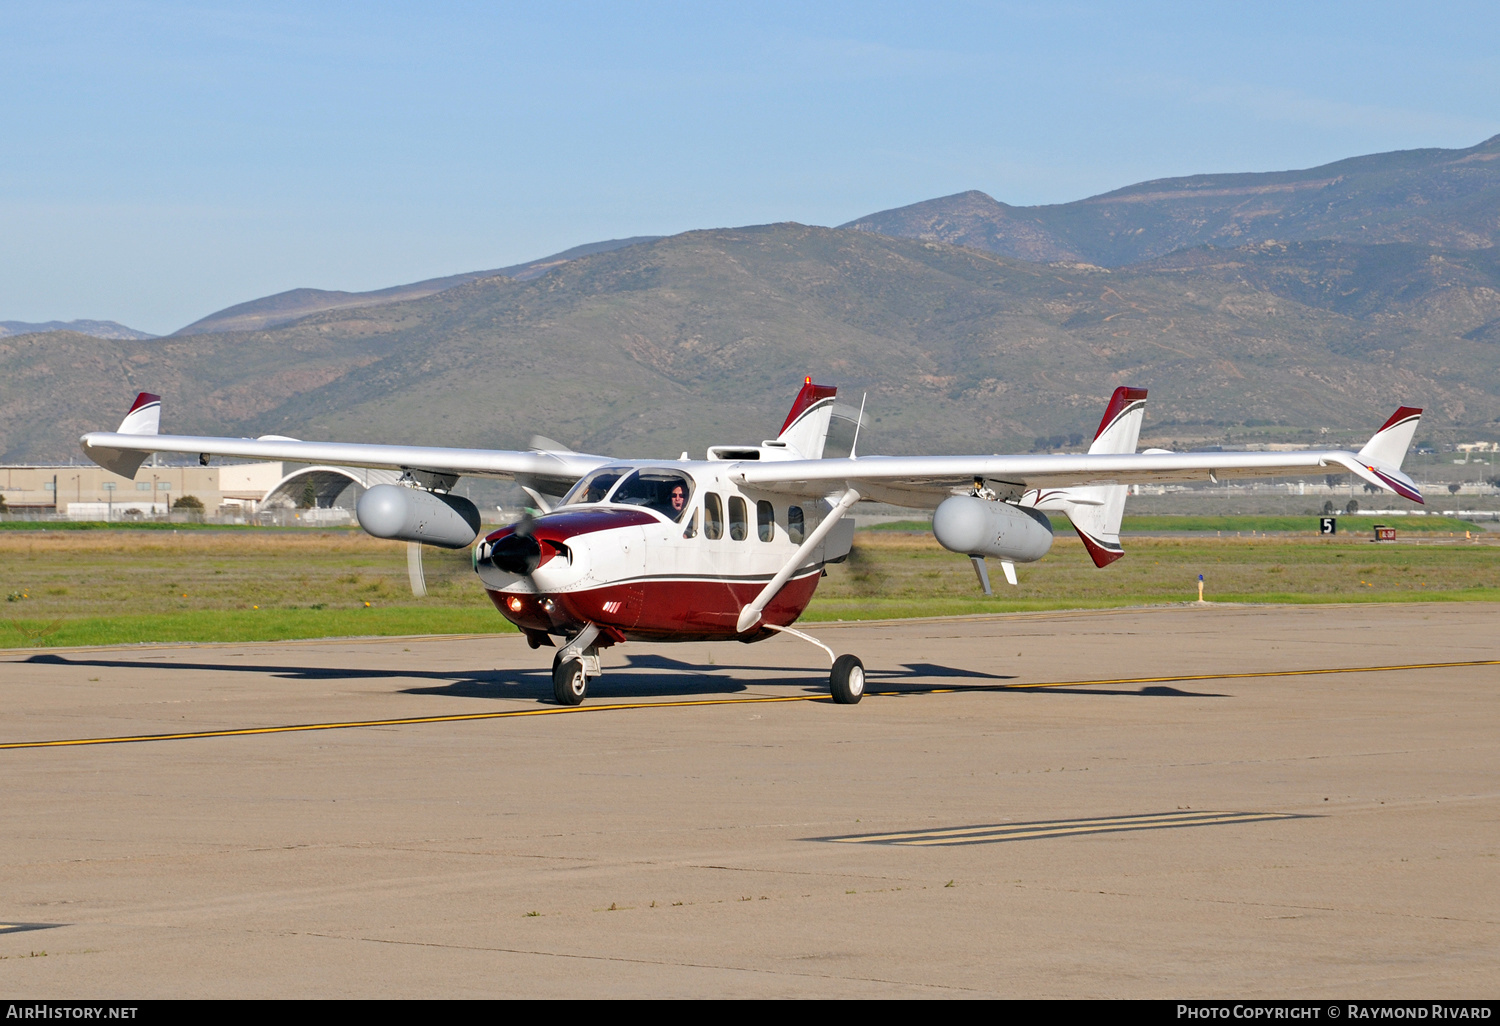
(924, 481)
(124, 450)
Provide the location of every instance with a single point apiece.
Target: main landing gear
(847, 681)
(577, 663)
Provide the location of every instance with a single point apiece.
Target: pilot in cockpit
(665, 491)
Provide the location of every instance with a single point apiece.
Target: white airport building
(88, 492)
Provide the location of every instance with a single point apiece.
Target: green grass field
(120, 586)
(898, 574)
(1356, 526)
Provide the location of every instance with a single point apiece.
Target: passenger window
(765, 520)
(739, 519)
(713, 517)
(794, 527)
(691, 531)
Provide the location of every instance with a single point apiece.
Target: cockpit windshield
(669, 492)
(595, 486)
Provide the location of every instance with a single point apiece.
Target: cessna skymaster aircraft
(731, 547)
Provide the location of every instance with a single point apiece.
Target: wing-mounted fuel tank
(417, 515)
(982, 527)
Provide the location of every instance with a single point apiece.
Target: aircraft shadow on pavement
(657, 676)
(1156, 691)
(643, 676)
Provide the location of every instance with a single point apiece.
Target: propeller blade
(414, 569)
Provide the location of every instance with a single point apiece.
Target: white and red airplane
(731, 547)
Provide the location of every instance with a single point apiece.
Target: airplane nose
(516, 554)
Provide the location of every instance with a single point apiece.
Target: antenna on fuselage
(854, 445)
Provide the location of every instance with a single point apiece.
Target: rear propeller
(414, 569)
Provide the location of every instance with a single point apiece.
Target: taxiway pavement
(955, 834)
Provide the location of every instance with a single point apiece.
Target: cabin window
(739, 519)
(668, 492)
(713, 517)
(765, 520)
(691, 531)
(794, 525)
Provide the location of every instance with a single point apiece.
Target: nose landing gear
(570, 681)
(574, 666)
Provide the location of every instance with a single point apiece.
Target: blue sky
(159, 161)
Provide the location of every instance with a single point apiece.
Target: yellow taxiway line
(1062, 828)
(699, 702)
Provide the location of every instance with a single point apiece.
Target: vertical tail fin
(1096, 510)
(144, 417)
(1388, 446)
(806, 427)
(1120, 428)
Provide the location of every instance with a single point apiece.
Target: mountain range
(285, 307)
(1247, 323)
(98, 329)
(1448, 199)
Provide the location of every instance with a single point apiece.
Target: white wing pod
(415, 515)
(981, 527)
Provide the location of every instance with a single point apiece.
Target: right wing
(924, 481)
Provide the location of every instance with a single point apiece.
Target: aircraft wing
(124, 450)
(923, 481)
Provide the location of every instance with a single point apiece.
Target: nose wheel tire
(847, 681)
(570, 684)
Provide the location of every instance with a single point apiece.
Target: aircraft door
(633, 597)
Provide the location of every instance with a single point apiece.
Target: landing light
(515, 604)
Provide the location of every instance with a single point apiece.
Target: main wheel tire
(570, 684)
(847, 681)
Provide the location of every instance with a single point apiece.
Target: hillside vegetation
(1299, 306)
(704, 337)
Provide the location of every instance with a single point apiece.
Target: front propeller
(519, 552)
